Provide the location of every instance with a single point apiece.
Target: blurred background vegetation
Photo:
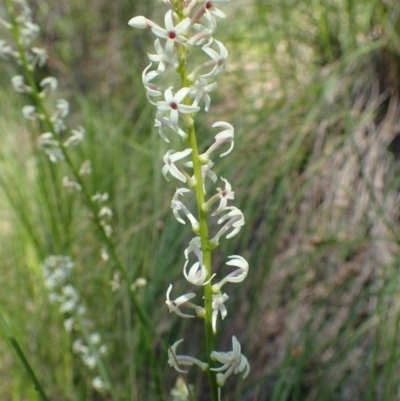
(312, 88)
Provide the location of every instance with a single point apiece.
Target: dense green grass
(312, 90)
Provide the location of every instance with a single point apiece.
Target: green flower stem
(205, 245)
(14, 343)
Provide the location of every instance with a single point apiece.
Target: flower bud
(139, 22)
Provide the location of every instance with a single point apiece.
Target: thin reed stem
(15, 345)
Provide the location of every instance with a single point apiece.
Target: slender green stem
(192, 140)
(14, 343)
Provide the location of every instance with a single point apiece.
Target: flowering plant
(187, 25)
(190, 24)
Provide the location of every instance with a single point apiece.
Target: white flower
(105, 212)
(62, 107)
(235, 220)
(151, 89)
(89, 361)
(51, 147)
(99, 385)
(162, 57)
(218, 59)
(95, 338)
(76, 137)
(5, 50)
(205, 30)
(218, 301)
(69, 324)
(173, 306)
(19, 85)
(202, 88)
(176, 360)
(139, 282)
(48, 84)
(174, 105)
(195, 247)
(161, 121)
(86, 168)
(180, 392)
(28, 32)
(217, 62)
(105, 257)
(233, 362)
(224, 136)
(205, 172)
(223, 196)
(173, 34)
(108, 230)
(103, 349)
(236, 276)
(197, 274)
(79, 348)
(40, 56)
(100, 197)
(178, 206)
(69, 299)
(141, 22)
(210, 6)
(71, 184)
(29, 112)
(169, 159)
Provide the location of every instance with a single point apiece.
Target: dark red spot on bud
(173, 106)
(172, 35)
(208, 5)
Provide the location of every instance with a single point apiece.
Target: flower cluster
(57, 271)
(46, 114)
(31, 58)
(191, 24)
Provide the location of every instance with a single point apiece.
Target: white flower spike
(189, 24)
